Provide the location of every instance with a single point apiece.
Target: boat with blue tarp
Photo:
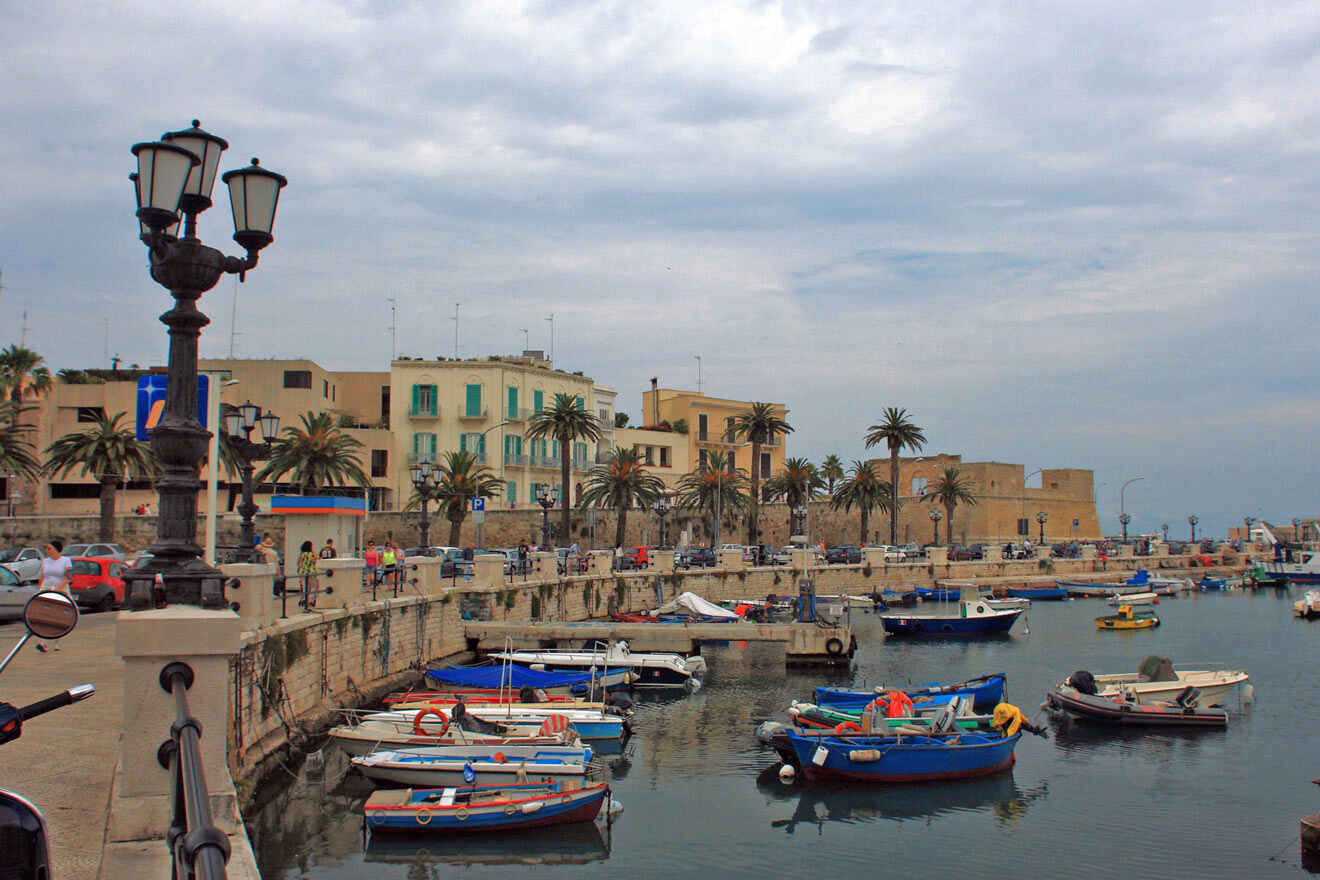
(939, 594)
(514, 677)
(985, 691)
(1038, 594)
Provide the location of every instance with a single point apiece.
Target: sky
(1058, 234)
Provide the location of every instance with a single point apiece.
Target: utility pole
(698, 357)
(455, 320)
(394, 329)
(527, 338)
(551, 319)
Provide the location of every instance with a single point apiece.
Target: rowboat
(939, 594)
(1087, 590)
(1127, 712)
(652, 670)
(1038, 594)
(1135, 599)
(1009, 604)
(973, 618)
(481, 765)
(1127, 618)
(513, 719)
(362, 738)
(1207, 583)
(481, 807)
(512, 677)
(985, 691)
(1308, 607)
(912, 757)
(1157, 680)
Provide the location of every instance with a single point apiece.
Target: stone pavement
(65, 759)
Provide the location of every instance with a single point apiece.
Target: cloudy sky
(1061, 234)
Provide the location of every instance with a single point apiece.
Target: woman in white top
(55, 576)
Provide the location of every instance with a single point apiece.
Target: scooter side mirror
(50, 614)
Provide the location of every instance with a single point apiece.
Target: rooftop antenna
(23, 341)
(527, 339)
(233, 319)
(551, 319)
(455, 320)
(698, 357)
(394, 329)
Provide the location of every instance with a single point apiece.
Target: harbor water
(701, 797)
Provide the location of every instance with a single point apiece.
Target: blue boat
(907, 758)
(972, 618)
(1208, 583)
(481, 807)
(516, 677)
(1037, 594)
(939, 594)
(986, 692)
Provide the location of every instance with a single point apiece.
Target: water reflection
(815, 804)
(578, 844)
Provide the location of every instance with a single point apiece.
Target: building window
(513, 403)
(75, 490)
(605, 418)
(538, 401)
(580, 403)
(380, 462)
(334, 389)
(1054, 485)
(733, 461)
(765, 465)
(473, 401)
(1023, 527)
(91, 413)
(385, 405)
(703, 458)
(511, 493)
(701, 427)
(918, 485)
(648, 458)
(424, 400)
(325, 388)
(297, 378)
(423, 447)
(728, 429)
(664, 456)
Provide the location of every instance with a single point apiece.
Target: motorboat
(971, 617)
(482, 808)
(906, 756)
(1182, 711)
(520, 719)
(481, 765)
(512, 677)
(1305, 572)
(1089, 590)
(1128, 617)
(1156, 679)
(652, 670)
(1308, 607)
(1012, 603)
(362, 738)
(986, 691)
(1135, 599)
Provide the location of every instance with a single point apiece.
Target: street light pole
(175, 176)
(1124, 519)
(662, 508)
(1042, 517)
(935, 517)
(1022, 507)
(426, 484)
(239, 423)
(547, 500)
(1122, 505)
(1192, 521)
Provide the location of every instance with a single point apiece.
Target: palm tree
(797, 485)
(317, 453)
(621, 482)
(460, 479)
(22, 375)
(565, 420)
(864, 490)
(108, 451)
(950, 489)
(896, 432)
(17, 454)
(832, 470)
(714, 487)
(758, 425)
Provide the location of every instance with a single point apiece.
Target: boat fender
(423, 817)
(533, 806)
(499, 758)
(1249, 693)
(693, 684)
(786, 773)
(819, 756)
(615, 807)
(510, 809)
(461, 813)
(865, 756)
(469, 775)
(834, 646)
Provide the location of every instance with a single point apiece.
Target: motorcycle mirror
(50, 614)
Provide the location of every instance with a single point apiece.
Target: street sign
(478, 517)
(1076, 522)
(151, 401)
(477, 504)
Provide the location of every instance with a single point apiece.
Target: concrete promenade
(65, 759)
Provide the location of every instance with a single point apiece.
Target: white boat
(366, 737)
(1215, 685)
(1164, 586)
(1135, 599)
(475, 765)
(1305, 572)
(1308, 606)
(518, 719)
(653, 670)
(1008, 604)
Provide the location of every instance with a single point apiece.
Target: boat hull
(1215, 686)
(985, 694)
(513, 814)
(1114, 622)
(908, 759)
(955, 627)
(1132, 714)
(1038, 594)
(441, 772)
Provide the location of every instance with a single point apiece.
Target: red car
(98, 583)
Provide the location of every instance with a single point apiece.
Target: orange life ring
(845, 726)
(499, 758)
(879, 704)
(422, 713)
(900, 705)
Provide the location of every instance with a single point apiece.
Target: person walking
(307, 573)
(388, 558)
(522, 556)
(328, 551)
(371, 560)
(54, 576)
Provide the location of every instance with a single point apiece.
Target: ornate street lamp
(935, 517)
(426, 484)
(175, 175)
(1164, 527)
(1192, 521)
(1042, 517)
(662, 508)
(547, 500)
(1125, 518)
(1247, 521)
(239, 424)
(799, 512)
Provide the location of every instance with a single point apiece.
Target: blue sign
(477, 504)
(1076, 523)
(151, 401)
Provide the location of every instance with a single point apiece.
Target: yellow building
(665, 453)
(709, 423)
(484, 406)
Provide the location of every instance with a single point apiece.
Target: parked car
(95, 551)
(699, 557)
(895, 554)
(966, 554)
(13, 595)
(98, 583)
(24, 562)
(843, 554)
(634, 554)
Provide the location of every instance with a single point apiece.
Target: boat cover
(691, 603)
(506, 676)
(1157, 668)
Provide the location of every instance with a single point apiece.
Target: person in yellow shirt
(1008, 720)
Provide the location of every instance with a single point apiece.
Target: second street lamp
(424, 482)
(547, 500)
(1125, 518)
(1192, 521)
(1042, 518)
(239, 424)
(935, 517)
(662, 508)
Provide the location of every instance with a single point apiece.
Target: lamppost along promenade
(1164, 527)
(1192, 521)
(1124, 519)
(662, 508)
(424, 482)
(547, 500)
(1122, 506)
(935, 517)
(1042, 517)
(238, 425)
(175, 175)
(1247, 521)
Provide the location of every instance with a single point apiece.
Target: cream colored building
(664, 453)
(709, 422)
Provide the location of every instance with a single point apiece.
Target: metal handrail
(198, 847)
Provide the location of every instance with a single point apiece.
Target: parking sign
(476, 504)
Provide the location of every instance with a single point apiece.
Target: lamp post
(1122, 506)
(1124, 519)
(1296, 523)
(1164, 527)
(239, 423)
(1247, 521)
(1022, 506)
(1192, 521)
(14, 498)
(799, 512)
(175, 175)
(547, 500)
(662, 508)
(935, 517)
(427, 487)
(1042, 517)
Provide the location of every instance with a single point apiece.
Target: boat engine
(1084, 682)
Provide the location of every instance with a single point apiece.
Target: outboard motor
(1084, 682)
(619, 702)
(527, 694)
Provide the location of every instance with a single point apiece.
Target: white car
(894, 554)
(95, 551)
(24, 562)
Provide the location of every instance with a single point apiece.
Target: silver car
(13, 595)
(95, 551)
(24, 562)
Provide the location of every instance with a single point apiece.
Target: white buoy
(786, 773)
(1248, 693)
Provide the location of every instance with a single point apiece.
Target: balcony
(419, 457)
(519, 414)
(480, 414)
(421, 413)
(514, 459)
(543, 461)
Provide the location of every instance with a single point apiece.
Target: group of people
(381, 561)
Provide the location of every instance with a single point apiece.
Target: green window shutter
(474, 400)
(481, 443)
(511, 492)
(513, 402)
(508, 446)
(580, 404)
(462, 442)
(517, 444)
(435, 398)
(416, 447)
(416, 397)
(538, 400)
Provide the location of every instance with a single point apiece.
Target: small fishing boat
(986, 691)
(1156, 679)
(1180, 712)
(1308, 607)
(1038, 594)
(513, 677)
(652, 670)
(972, 617)
(1089, 590)
(482, 807)
(498, 697)
(1010, 604)
(1305, 572)
(939, 594)
(1128, 618)
(481, 765)
(1207, 583)
(520, 719)
(901, 757)
(363, 738)
(1134, 599)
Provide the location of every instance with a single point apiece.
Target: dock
(805, 644)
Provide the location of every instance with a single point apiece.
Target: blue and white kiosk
(318, 517)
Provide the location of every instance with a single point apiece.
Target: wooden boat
(481, 765)
(482, 807)
(809, 716)
(1207, 583)
(362, 738)
(1308, 607)
(985, 691)
(1128, 618)
(1115, 710)
(513, 677)
(1038, 594)
(418, 699)
(972, 618)
(939, 594)
(904, 757)
(1086, 590)
(1156, 679)
(521, 719)
(1135, 599)
(652, 670)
